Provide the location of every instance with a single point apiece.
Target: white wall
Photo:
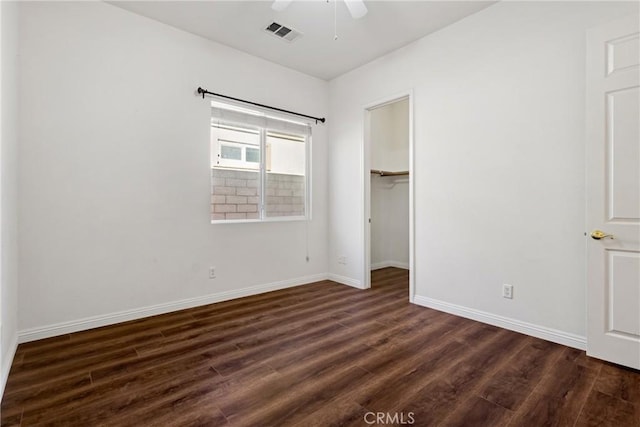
(389, 221)
(390, 137)
(499, 155)
(114, 169)
(8, 186)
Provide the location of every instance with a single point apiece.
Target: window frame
(262, 170)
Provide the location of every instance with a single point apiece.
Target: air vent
(282, 32)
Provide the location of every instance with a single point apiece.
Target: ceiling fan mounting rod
(335, 19)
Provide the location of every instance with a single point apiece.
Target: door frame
(365, 185)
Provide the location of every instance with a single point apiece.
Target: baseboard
(124, 316)
(6, 365)
(385, 264)
(542, 332)
(345, 280)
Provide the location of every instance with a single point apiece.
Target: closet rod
(204, 92)
(388, 173)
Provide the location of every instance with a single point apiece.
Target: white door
(613, 192)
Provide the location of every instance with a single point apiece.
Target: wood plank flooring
(317, 355)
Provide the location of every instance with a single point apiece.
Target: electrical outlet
(507, 291)
(212, 272)
(342, 260)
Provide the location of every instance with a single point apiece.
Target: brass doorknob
(597, 235)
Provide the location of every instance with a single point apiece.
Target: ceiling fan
(357, 9)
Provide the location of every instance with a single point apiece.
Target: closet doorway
(388, 188)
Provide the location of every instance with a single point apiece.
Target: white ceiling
(239, 24)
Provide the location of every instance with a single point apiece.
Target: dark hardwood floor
(316, 355)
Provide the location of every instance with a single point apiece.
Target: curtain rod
(206, 92)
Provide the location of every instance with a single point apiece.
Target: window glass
(230, 152)
(247, 185)
(285, 178)
(253, 155)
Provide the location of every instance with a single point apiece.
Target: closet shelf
(388, 173)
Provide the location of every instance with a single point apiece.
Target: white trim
(6, 365)
(365, 197)
(138, 313)
(412, 186)
(385, 264)
(292, 218)
(542, 332)
(346, 280)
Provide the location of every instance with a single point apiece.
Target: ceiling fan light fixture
(357, 9)
(280, 5)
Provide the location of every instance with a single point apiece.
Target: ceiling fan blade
(357, 9)
(280, 4)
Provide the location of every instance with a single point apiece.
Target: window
(259, 166)
(252, 155)
(237, 147)
(230, 152)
